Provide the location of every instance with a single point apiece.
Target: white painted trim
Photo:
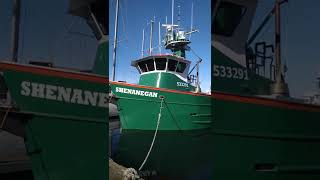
(158, 80)
(105, 38)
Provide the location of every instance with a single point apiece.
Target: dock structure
(13, 156)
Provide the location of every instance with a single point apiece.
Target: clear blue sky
(45, 37)
(299, 45)
(134, 16)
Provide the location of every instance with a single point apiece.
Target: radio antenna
(191, 25)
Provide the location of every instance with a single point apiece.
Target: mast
(179, 15)
(159, 40)
(15, 30)
(279, 87)
(115, 43)
(176, 38)
(172, 11)
(278, 40)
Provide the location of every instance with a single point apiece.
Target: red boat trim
(266, 102)
(54, 72)
(236, 98)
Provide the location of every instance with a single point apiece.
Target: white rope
(155, 134)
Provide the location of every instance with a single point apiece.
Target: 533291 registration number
(230, 72)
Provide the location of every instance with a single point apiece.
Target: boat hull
(244, 138)
(174, 155)
(61, 123)
(184, 124)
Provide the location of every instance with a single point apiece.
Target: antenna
(179, 15)
(142, 46)
(172, 8)
(159, 40)
(191, 20)
(166, 23)
(151, 34)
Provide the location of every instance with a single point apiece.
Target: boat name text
(63, 94)
(230, 72)
(182, 84)
(136, 92)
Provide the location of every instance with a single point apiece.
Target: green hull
(264, 139)
(248, 138)
(139, 116)
(60, 132)
(174, 117)
(173, 156)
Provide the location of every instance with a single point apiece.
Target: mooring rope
(155, 133)
(130, 174)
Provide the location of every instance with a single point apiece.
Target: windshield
(98, 19)
(101, 13)
(181, 67)
(227, 18)
(161, 63)
(147, 65)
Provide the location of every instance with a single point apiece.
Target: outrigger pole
(115, 43)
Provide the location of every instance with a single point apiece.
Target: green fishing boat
(64, 112)
(248, 128)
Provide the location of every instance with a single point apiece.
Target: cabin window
(227, 18)
(94, 27)
(172, 65)
(181, 67)
(142, 66)
(161, 63)
(147, 65)
(99, 11)
(150, 65)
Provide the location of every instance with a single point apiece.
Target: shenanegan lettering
(136, 92)
(63, 94)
